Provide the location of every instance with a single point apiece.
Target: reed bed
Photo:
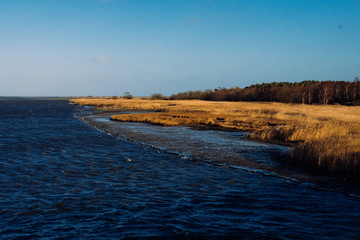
(326, 138)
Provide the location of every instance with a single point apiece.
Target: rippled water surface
(63, 178)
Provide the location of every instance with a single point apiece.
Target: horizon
(108, 47)
(54, 97)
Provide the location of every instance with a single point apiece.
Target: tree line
(306, 92)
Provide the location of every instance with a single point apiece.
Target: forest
(306, 92)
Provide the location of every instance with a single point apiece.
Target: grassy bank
(326, 138)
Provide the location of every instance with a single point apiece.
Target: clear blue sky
(107, 47)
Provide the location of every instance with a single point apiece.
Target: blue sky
(108, 47)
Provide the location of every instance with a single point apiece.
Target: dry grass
(327, 137)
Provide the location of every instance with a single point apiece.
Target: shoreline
(200, 127)
(325, 138)
(179, 140)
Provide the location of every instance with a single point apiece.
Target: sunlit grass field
(326, 138)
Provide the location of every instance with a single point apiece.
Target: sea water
(65, 174)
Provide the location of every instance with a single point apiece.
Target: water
(63, 179)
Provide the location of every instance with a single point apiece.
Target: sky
(108, 47)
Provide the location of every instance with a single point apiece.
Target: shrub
(157, 96)
(127, 95)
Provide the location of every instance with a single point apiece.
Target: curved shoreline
(267, 159)
(320, 134)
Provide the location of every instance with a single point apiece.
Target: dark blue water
(63, 179)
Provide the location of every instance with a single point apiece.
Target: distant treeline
(307, 92)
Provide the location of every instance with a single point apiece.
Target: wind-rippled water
(63, 179)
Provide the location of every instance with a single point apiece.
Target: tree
(354, 89)
(127, 95)
(157, 96)
(325, 92)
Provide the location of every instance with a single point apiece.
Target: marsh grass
(325, 138)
